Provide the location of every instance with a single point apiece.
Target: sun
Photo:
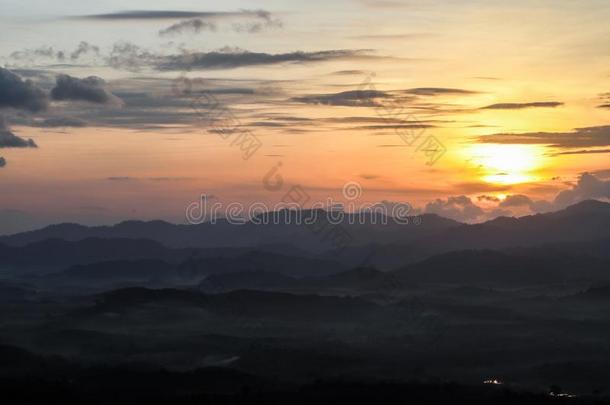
(507, 164)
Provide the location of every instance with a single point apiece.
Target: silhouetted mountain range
(385, 246)
(317, 237)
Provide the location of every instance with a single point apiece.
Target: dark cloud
(158, 107)
(519, 106)
(197, 21)
(189, 26)
(395, 126)
(128, 56)
(89, 89)
(232, 90)
(10, 140)
(368, 120)
(160, 15)
(460, 208)
(438, 91)
(349, 73)
(228, 58)
(353, 98)
(605, 101)
(19, 94)
(369, 176)
(583, 152)
(581, 137)
(59, 122)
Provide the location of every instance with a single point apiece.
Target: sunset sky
(516, 93)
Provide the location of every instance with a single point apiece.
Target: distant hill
(487, 266)
(258, 261)
(585, 221)
(247, 280)
(582, 230)
(11, 292)
(59, 252)
(591, 295)
(357, 280)
(104, 273)
(240, 303)
(361, 278)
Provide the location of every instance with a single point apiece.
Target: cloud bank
(19, 94)
(90, 89)
(460, 208)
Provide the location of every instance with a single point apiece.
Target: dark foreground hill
(26, 378)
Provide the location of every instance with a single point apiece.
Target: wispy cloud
(234, 58)
(390, 37)
(520, 106)
(583, 152)
(247, 21)
(581, 137)
(439, 91)
(353, 98)
(162, 15)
